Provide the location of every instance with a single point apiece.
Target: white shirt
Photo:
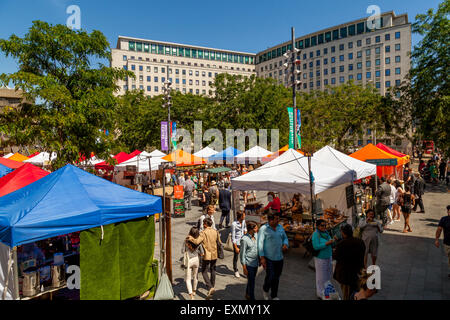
(393, 196)
(203, 217)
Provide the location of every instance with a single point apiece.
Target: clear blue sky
(249, 26)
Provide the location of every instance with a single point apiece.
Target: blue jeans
(251, 281)
(273, 273)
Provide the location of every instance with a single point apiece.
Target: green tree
(429, 89)
(73, 104)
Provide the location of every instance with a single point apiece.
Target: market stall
(70, 201)
(11, 163)
(289, 173)
(205, 153)
(6, 156)
(253, 155)
(42, 159)
(184, 159)
(4, 170)
(387, 164)
(225, 156)
(20, 178)
(392, 151)
(18, 157)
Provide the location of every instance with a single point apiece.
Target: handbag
(229, 244)
(357, 233)
(220, 253)
(185, 263)
(164, 290)
(309, 247)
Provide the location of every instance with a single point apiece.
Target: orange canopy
(184, 159)
(278, 153)
(370, 152)
(18, 157)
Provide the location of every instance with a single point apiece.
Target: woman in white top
(397, 206)
(193, 251)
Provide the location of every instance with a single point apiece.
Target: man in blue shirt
(272, 242)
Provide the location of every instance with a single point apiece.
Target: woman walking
(370, 229)
(407, 202)
(193, 251)
(397, 205)
(322, 242)
(205, 198)
(249, 258)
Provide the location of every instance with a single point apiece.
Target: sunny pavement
(411, 266)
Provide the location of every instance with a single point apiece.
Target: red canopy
(390, 150)
(20, 178)
(11, 163)
(33, 155)
(120, 157)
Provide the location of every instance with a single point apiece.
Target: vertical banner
(173, 133)
(291, 127)
(299, 123)
(164, 138)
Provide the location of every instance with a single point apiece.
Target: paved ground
(411, 266)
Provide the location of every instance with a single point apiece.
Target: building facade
(192, 69)
(9, 98)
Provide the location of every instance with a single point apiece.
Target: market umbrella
(392, 151)
(276, 154)
(205, 152)
(253, 155)
(226, 155)
(42, 158)
(20, 178)
(18, 157)
(183, 158)
(11, 163)
(120, 157)
(156, 154)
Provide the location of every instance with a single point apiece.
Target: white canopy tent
(42, 158)
(253, 155)
(334, 158)
(205, 152)
(8, 155)
(91, 162)
(141, 161)
(156, 153)
(289, 173)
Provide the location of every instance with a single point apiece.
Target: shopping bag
(164, 290)
(330, 293)
(229, 244)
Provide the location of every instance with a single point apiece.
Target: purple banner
(164, 138)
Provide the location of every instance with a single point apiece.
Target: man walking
(225, 205)
(444, 225)
(419, 187)
(209, 214)
(208, 237)
(383, 199)
(188, 186)
(272, 242)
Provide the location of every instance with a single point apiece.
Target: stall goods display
(333, 216)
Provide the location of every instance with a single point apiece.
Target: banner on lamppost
(164, 138)
(299, 123)
(173, 133)
(291, 127)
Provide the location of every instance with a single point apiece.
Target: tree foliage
(72, 104)
(429, 89)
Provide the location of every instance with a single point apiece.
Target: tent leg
(16, 274)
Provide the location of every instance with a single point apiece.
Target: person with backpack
(209, 238)
(407, 202)
(322, 242)
(191, 253)
(214, 194)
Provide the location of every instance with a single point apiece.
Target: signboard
(299, 123)
(164, 138)
(383, 162)
(178, 192)
(291, 127)
(178, 208)
(173, 133)
(350, 196)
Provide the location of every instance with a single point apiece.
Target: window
(351, 30)
(156, 89)
(350, 67)
(350, 77)
(325, 72)
(360, 142)
(325, 51)
(311, 84)
(333, 59)
(350, 56)
(313, 41)
(341, 57)
(343, 32)
(184, 81)
(378, 85)
(125, 87)
(397, 47)
(141, 68)
(369, 131)
(397, 83)
(350, 45)
(388, 84)
(148, 69)
(311, 64)
(197, 73)
(397, 35)
(359, 54)
(333, 49)
(359, 76)
(388, 60)
(397, 58)
(317, 53)
(318, 73)
(387, 72)
(148, 78)
(320, 38)
(133, 67)
(317, 63)
(341, 79)
(377, 73)
(124, 58)
(149, 88)
(156, 79)
(131, 45)
(318, 83)
(360, 28)
(341, 47)
(163, 79)
(387, 49)
(367, 40)
(368, 64)
(163, 70)
(311, 54)
(304, 66)
(359, 65)
(377, 39)
(341, 68)
(190, 72)
(304, 56)
(336, 34)
(368, 75)
(328, 36)
(305, 76)
(190, 82)
(177, 81)
(377, 62)
(397, 71)
(197, 82)
(311, 74)
(125, 67)
(333, 70)
(333, 80)
(367, 52)
(325, 82)
(359, 43)
(377, 50)
(325, 61)
(387, 37)
(133, 87)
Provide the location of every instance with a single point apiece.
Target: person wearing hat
(214, 193)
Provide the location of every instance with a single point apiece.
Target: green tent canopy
(216, 170)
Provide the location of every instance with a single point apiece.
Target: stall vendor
(274, 203)
(297, 206)
(30, 256)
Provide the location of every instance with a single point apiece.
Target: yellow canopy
(18, 157)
